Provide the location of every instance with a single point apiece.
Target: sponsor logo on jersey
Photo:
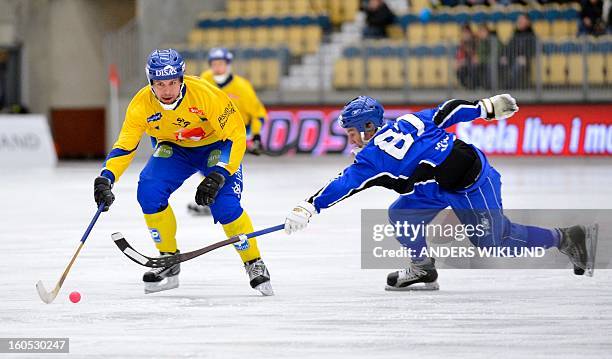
(154, 117)
(227, 111)
(237, 189)
(193, 134)
(442, 145)
(214, 157)
(242, 245)
(196, 110)
(155, 235)
(166, 71)
(233, 96)
(163, 151)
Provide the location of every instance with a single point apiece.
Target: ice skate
(259, 276)
(197, 210)
(418, 276)
(163, 278)
(579, 243)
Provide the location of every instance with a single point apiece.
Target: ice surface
(325, 305)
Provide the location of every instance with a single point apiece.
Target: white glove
(299, 216)
(499, 106)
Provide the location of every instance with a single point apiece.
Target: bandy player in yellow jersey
(241, 92)
(195, 127)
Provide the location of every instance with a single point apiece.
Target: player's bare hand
(299, 217)
(500, 106)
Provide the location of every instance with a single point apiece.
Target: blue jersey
(402, 153)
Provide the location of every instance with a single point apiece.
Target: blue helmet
(164, 65)
(361, 111)
(220, 53)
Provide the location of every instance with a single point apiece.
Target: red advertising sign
(536, 130)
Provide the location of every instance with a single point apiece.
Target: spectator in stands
(517, 55)
(466, 58)
(378, 17)
(487, 49)
(591, 18)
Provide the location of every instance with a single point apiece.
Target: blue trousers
(170, 165)
(481, 204)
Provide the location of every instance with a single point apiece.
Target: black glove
(257, 148)
(102, 192)
(209, 188)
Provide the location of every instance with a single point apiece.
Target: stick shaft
(55, 291)
(266, 231)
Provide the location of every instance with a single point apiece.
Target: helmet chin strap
(173, 105)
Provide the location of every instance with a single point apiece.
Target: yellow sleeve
(228, 122)
(256, 109)
(124, 150)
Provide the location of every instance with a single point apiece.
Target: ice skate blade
(166, 284)
(591, 244)
(265, 288)
(415, 287)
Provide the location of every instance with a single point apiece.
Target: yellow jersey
(242, 93)
(204, 115)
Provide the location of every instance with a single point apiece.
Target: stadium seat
(542, 29)
(394, 72)
(433, 33)
(414, 71)
(429, 72)
(505, 29)
(267, 8)
(609, 69)
(356, 72)
(257, 73)
(341, 79)
(376, 73)
(596, 69)
(299, 7)
(212, 37)
(234, 8)
(250, 8)
(560, 29)
(451, 32)
(195, 38)
(575, 69)
(295, 40)
(312, 36)
(557, 64)
(395, 32)
(443, 71)
(419, 5)
(273, 72)
(415, 33)
(262, 36)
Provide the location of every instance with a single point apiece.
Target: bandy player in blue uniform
(432, 170)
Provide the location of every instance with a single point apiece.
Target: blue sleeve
(353, 179)
(452, 112)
